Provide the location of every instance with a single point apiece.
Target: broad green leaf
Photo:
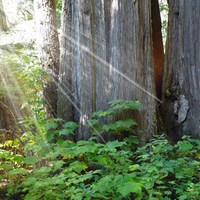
(50, 126)
(18, 158)
(5, 166)
(116, 101)
(100, 196)
(78, 166)
(133, 105)
(133, 167)
(132, 139)
(98, 113)
(130, 187)
(43, 170)
(110, 111)
(93, 122)
(18, 171)
(102, 159)
(183, 197)
(29, 181)
(115, 144)
(38, 184)
(72, 125)
(172, 182)
(185, 146)
(58, 164)
(49, 136)
(109, 127)
(30, 161)
(168, 192)
(65, 132)
(125, 123)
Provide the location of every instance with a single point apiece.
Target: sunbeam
(111, 67)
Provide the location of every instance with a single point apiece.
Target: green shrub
(61, 169)
(170, 171)
(85, 169)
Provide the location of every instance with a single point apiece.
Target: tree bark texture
(49, 53)
(181, 97)
(106, 54)
(3, 23)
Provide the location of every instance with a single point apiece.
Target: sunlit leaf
(133, 167)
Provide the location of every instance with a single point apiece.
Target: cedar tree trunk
(49, 53)
(106, 54)
(181, 86)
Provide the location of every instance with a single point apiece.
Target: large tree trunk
(107, 54)
(3, 23)
(181, 97)
(49, 53)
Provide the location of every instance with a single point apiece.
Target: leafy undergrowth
(53, 168)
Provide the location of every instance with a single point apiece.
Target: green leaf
(93, 122)
(18, 171)
(78, 166)
(167, 192)
(116, 101)
(30, 161)
(72, 125)
(49, 136)
(29, 181)
(132, 139)
(125, 123)
(115, 144)
(65, 132)
(100, 196)
(133, 167)
(133, 105)
(38, 185)
(109, 127)
(183, 197)
(130, 187)
(18, 158)
(50, 126)
(43, 170)
(58, 164)
(185, 146)
(98, 113)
